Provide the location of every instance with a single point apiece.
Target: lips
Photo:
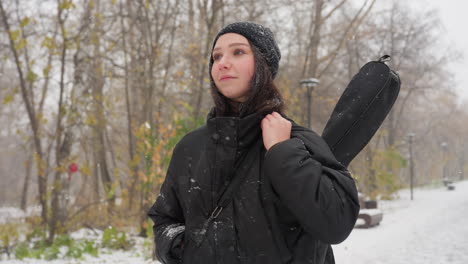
(226, 78)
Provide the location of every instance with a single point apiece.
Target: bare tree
(33, 115)
(209, 14)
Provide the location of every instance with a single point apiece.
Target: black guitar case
(361, 109)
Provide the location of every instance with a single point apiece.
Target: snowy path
(433, 228)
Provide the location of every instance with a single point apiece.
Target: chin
(236, 99)
(240, 98)
(230, 96)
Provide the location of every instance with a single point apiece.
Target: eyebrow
(233, 44)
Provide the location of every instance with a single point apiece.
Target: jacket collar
(233, 131)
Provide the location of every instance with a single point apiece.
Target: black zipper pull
(216, 212)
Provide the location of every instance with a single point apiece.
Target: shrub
(113, 239)
(89, 248)
(63, 240)
(63, 245)
(22, 251)
(8, 236)
(52, 252)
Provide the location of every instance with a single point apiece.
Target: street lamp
(410, 141)
(310, 84)
(444, 146)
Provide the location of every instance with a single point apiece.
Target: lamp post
(310, 84)
(444, 146)
(410, 141)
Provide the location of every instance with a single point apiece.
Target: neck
(234, 108)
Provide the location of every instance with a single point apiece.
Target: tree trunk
(33, 121)
(315, 39)
(371, 179)
(96, 181)
(62, 148)
(24, 194)
(311, 61)
(210, 23)
(391, 116)
(130, 122)
(97, 82)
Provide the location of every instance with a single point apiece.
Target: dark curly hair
(264, 96)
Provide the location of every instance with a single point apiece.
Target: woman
(251, 186)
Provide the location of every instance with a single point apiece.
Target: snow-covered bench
(449, 184)
(369, 218)
(369, 215)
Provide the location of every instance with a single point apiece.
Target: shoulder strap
(226, 195)
(229, 191)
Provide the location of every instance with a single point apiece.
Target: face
(233, 66)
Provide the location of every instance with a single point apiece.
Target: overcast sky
(454, 16)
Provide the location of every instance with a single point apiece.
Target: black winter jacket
(294, 201)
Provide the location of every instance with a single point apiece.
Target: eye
(239, 52)
(216, 56)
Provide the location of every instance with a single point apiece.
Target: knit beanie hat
(260, 36)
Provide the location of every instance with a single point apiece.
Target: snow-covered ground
(116, 257)
(12, 214)
(433, 228)
(430, 229)
(106, 256)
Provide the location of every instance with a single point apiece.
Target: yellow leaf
(160, 180)
(85, 170)
(24, 22)
(48, 43)
(8, 98)
(21, 44)
(61, 169)
(31, 77)
(14, 34)
(67, 4)
(156, 158)
(90, 120)
(46, 70)
(111, 46)
(142, 176)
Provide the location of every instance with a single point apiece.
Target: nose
(224, 63)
